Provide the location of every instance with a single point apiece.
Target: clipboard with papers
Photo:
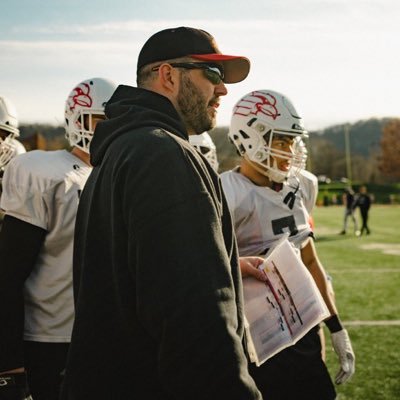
(280, 311)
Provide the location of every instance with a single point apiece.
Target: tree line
(374, 146)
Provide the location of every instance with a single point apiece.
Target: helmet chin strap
(276, 175)
(272, 173)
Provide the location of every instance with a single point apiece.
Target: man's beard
(193, 108)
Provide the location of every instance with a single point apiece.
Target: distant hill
(364, 136)
(43, 136)
(327, 146)
(327, 151)
(47, 131)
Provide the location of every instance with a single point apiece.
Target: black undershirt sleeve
(20, 243)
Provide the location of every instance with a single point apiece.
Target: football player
(40, 197)
(205, 145)
(271, 194)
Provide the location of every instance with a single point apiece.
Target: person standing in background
(348, 201)
(363, 201)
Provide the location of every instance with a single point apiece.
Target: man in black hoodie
(159, 311)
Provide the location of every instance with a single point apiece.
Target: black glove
(14, 386)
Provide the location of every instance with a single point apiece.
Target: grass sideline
(366, 279)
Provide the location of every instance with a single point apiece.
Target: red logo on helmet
(257, 102)
(81, 97)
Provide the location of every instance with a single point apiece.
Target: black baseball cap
(195, 43)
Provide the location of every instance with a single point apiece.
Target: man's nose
(220, 89)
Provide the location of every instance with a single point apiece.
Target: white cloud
(337, 60)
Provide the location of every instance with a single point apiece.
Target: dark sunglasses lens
(213, 75)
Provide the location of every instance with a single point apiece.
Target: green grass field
(366, 279)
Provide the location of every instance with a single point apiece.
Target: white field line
(372, 323)
(360, 270)
(386, 248)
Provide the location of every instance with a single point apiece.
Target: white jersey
(43, 188)
(261, 216)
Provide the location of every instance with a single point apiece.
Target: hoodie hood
(128, 109)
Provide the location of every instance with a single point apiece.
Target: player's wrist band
(333, 323)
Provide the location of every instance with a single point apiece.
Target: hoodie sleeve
(189, 297)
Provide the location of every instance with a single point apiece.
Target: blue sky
(338, 60)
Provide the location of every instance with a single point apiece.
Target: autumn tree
(390, 149)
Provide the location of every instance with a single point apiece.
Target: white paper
(283, 310)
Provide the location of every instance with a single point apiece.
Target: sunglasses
(213, 72)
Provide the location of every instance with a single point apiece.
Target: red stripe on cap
(215, 57)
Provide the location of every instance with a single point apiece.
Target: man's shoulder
(153, 151)
(145, 137)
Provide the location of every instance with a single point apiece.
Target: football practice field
(366, 279)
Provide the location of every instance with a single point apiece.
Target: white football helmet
(257, 119)
(205, 145)
(87, 98)
(8, 132)
(9, 148)
(8, 117)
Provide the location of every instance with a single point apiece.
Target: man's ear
(168, 78)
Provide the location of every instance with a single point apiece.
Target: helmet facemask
(8, 132)
(80, 134)
(7, 150)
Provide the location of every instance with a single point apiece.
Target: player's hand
(342, 346)
(14, 386)
(249, 267)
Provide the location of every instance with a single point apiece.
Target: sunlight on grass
(366, 279)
